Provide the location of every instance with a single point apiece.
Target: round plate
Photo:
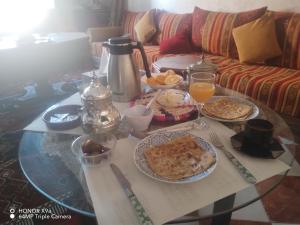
(161, 138)
(169, 114)
(160, 86)
(252, 115)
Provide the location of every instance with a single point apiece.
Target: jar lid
(203, 65)
(96, 91)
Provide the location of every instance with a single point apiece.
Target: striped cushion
(212, 31)
(278, 88)
(281, 23)
(130, 19)
(291, 48)
(288, 33)
(152, 53)
(170, 24)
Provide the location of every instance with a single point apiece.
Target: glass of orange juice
(202, 88)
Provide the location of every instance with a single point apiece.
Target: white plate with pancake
(229, 109)
(178, 81)
(154, 157)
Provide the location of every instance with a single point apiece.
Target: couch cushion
(278, 88)
(169, 24)
(130, 19)
(256, 41)
(212, 31)
(146, 27)
(179, 44)
(291, 49)
(152, 53)
(288, 34)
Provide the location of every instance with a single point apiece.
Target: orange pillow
(256, 41)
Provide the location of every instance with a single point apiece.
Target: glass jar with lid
(204, 65)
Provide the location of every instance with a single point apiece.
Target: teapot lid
(95, 90)
(203, 65)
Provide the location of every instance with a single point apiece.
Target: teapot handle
(144, 57)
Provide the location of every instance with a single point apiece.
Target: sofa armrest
(99, 34)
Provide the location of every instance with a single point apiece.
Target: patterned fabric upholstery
(288, 34)
(277, 87)
(170, 24)
(212, 31)
(291, 49)
(130, 19)
(152, 53)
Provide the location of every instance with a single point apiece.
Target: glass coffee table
(49, 164)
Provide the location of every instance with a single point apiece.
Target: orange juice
(201, 91)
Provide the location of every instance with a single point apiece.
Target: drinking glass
(202, 88)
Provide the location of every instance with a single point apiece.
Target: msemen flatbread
(227, 108)
(178, 159)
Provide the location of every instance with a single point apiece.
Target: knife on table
(143, 217)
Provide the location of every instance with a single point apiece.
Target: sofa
(274, 81)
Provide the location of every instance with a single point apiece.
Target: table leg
(221, 205)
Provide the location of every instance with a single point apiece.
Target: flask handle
(144, 57)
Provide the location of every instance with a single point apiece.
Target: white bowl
(136, 119)
(160, 86)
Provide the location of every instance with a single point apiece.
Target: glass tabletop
(49, 164)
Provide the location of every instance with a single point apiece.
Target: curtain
(116, 12)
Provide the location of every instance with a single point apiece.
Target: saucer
(275, 147)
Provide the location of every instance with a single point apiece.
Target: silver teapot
(99, 115)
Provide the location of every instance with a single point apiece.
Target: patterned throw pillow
(291, 47)
(288, 34)
(170, 24)
(179, 44)
(146, 27)
(212, 31)
(130, 19)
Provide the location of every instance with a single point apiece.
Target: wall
(182, 6)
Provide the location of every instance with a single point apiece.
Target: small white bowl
(136, 119)
(94, 159)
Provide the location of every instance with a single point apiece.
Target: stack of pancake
(227, 109)
(179, 158)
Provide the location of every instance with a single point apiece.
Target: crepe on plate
(227, 108)
(179, 158)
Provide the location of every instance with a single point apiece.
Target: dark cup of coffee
(258, 137)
